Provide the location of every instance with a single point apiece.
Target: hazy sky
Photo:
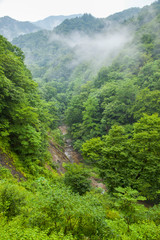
(33, 10)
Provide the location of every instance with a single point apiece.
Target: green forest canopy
(113, 120)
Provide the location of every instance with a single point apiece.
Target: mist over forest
(80, 127)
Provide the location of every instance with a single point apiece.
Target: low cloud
(99, 49)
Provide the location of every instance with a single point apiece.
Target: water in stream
(71, 154)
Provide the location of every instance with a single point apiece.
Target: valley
(80, 127)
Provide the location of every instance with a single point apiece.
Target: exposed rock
(7, 162)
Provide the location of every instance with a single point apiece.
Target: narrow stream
(72, 155)
(75, 157)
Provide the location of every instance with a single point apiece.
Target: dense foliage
(87, 23)
(44, 208)
(63, 59)
(129, 161)
(119, 96)
(77, 178)
(24, 117)
(122, 92)
(113, 120)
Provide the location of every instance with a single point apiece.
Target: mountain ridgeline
(101, 78)
(51, 22)
(86, 24)
(11, 28)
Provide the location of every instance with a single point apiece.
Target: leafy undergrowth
(53, 206)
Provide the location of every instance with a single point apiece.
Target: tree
(92, 150)
(146, 150)
(146, 102)
(92, 116)
(115, 164)
(21, 124)
(118, 106)
(111, 156)
(77, 178)
(127, 202)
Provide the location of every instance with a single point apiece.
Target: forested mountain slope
(113, 120)
(22, 123)
(61, 62)
(124, 15)
(52, 21)
(90, 25)
(120, 94)
(130, 73)
(11, 28)
(86, 24)
(119, 111)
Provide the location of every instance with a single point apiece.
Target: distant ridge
(124, 15)
(90, 24)
(11, 28)
(86, 23)
(52, 21)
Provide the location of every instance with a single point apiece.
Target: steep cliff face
(58, 156)
(8, 162)
(61, 155)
